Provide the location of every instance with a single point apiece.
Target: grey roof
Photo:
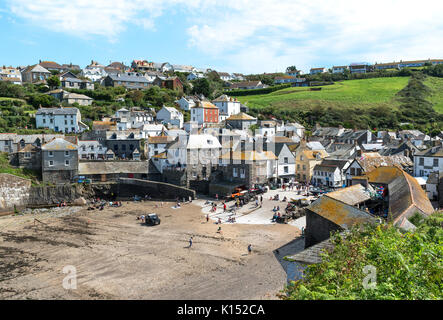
(352, 195)
(59, 144)
(338, 212)
(312, 254)
(112, 167)
(58, 111)
(331, 163)
(131, 77)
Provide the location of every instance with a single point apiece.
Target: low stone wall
(18, 192)
(13, 192)
(157, 190)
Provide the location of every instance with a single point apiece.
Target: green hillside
(436, 85)
(365, 103)
(365, 92)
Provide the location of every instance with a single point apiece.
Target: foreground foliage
(408, 265)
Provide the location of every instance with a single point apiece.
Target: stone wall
(157, 190)
(318, 228)
(13, 192)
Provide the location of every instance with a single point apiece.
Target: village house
(187, 102)
(359, 67)
(59, 161)
(428, 161)
(285, 161)
(11, 75)
(204, 113)
(70, 97)
(247, 85)
(369, 161)
(330, 173)
(131, 119)
(238, 77)
(285, 79)
(227, 105)
(94, 72)
(406, 64)
(51, 66)
(91, 150)
(157, 144)
(190, 159)
(35, 73)
(163, 67)
(142, 65)
(306, 159)
(317, 70)
(173, 83)
(182, 68)
(241, 121)
(225, 76)
(294, 73)
(170, 115)
(126, 145)
(130, 80)
(247, 166)
(66, 120)
(339, 69)
(71, 81)
(151, 130)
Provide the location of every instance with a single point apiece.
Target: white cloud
(263, 35)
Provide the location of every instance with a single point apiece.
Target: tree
(291, 68)
(53, 82)
(202, 86)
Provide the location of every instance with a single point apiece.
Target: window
(51, 163)
(66, 153)
(285, 159)
(44, 120)
(66, 121)
(286, 169)
(302, 158)
(435, 164)
(304, 167)
(51, 153)
(353, 171)
(27, 155)
(298, 167)
(422, 161)
(66, 162)
(234, 172)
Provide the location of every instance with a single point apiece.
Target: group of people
(62, 204)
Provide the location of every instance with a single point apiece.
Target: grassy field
(365, 92)
(436, 85)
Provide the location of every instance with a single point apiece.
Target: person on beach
(207, 218)
(249, 248)
(190, 242)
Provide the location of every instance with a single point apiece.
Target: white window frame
(50, 153)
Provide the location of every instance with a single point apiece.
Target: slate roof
(352, 195)
(59, 144)
(312, 254)
(241, 116)
(338, 212)
(128, 77)
(58, 111)
(405, 193)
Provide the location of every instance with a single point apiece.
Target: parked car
(152, 219)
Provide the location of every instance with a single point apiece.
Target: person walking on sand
(190, 242)
(249, 248)
(224, 206)
(207, 218)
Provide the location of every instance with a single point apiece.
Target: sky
(245, 36)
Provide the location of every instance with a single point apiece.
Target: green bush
(408, 265)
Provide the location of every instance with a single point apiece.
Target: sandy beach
(116, 257)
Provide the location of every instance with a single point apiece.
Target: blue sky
(231, 35)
